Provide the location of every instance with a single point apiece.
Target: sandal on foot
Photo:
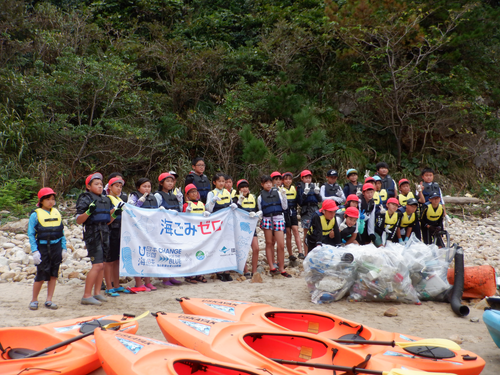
(50, 305)
(190, 280)
(111, 293)
(150, 286)
(285, 274)
(34, 305)
(247, 274)
(200, 279)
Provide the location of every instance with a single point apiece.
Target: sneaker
(175, 282)
(100, 298)
(302, 256)
(292, 258)
(150, 286)
(274, 271)
(90, 301)
(285, 274)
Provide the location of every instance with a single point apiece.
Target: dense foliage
(143, 86)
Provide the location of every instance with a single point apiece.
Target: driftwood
(462, 200)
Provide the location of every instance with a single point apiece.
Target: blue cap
(351, 171)
(377, 178)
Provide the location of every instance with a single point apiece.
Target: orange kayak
(79, 357)
(329, 326)
(125, 354)
(256, 347)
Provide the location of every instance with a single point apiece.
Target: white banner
(159, 243)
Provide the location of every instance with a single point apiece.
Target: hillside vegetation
(143, 86)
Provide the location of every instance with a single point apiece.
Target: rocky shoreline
(478, 236)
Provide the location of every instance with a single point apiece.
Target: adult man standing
(198, 178)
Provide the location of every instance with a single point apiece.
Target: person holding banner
(218, 199)
(273, 203)
(167, 195)
(246, 201)
(143, 198)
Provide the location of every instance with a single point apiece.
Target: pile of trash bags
(408, 273)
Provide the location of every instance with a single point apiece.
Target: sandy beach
(429, 320)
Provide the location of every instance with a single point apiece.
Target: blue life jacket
(150, 201)
(169, 200)
(270, 203)
(103, 207)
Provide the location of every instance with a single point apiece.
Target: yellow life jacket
(291, 193)
(404, 198)
(114, 200)
(406, 220)
(49, 226)
(390, 221)
(434, 215)
(196, 208)
(233, 193)
(225, 199)
(326, 225)
(376, 198)
(249, 203)
(383, 195)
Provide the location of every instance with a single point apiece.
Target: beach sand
(429, 320)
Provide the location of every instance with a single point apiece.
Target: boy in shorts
(95, 211)
(48, 245)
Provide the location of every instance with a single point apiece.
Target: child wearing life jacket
(380, 196)
(388, 183)
(291, 220)
(309, 200)
(112, 262)
(352, 186)
(48, 245)
(324, 228)
(167, 195)
(199, 179)
(332, 190)
(376, 196)
(95, 211)
(387, 224)
(428, 187)
(404, 191)
(409, 222)
(349, 227)
(431, 220)
(273, 203)
(246, 201)
(218, 199)
(193, 206)
(143, 198)
(229, 186)
(366, 208)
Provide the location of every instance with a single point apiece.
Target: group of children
(358, 213)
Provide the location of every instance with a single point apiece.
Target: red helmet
(242, 181)
(368, 187)
(352, 197)
(93, 176)
(392, 200)
(115, 180)
(329, 205)
(352, 212)
(45, 191)
(403, 181)
(305, 172)
(275, 174)
(164, 176)
(369, 179)
(189, 187)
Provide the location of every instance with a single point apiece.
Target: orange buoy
(331, 327)
(79, 357)
(479, 281)
(126, 354)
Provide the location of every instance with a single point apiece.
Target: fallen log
(462, 200)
